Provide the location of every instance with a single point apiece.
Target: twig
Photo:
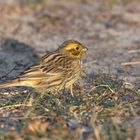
(134, 51)
(90, 63)
(97, 133)
(12, 106)
(107, 86)
(130, 63)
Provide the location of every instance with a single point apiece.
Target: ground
(106, 104)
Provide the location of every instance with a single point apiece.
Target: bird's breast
(74, 73)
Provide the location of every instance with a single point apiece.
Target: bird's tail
(13, 83)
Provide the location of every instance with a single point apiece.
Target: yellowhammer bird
(55, 71)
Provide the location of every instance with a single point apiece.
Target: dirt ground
(110, 30)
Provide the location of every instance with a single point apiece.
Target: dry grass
(104, 111)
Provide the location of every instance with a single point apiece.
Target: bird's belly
(71, 80)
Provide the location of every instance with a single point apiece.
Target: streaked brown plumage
(56, 70)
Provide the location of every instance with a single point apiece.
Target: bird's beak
(85, 49)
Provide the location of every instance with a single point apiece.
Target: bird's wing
(57, 70)
(53, 65)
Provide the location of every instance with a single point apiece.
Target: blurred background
(109, 28)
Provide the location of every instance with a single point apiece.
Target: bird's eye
(77, 48)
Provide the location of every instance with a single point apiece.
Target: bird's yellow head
(72, 49)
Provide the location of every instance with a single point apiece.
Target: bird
(55, 71)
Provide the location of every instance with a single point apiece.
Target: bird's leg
(31, 99)
(30, 103)
(71, 90)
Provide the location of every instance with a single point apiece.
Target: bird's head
(72, 49)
